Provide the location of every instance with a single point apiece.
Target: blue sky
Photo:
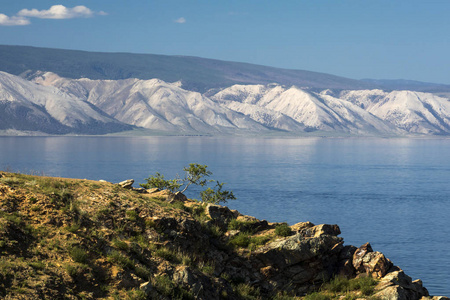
(387, 39)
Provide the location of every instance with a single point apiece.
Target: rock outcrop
(63, 238)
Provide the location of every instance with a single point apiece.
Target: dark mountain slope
(196, 73)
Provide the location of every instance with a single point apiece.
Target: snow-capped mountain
(155, 104)
(28, 106)
(314, 111)
(414, 112)
(54, 104)
(354, 111)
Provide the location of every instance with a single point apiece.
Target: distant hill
(196, 74)
(411, 85)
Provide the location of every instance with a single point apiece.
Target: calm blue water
(393, 193)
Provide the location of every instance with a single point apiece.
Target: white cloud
(180, 20)
(54, 12)
(57, 12)
(13, 21)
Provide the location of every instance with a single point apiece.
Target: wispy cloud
(13, 21)
(57, 12)
(54, 12)
(180, 20)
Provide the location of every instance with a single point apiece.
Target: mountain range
(56, 91)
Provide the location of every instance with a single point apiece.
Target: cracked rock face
(398, 285)
(302, 260)
(368, 262)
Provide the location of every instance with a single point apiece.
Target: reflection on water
(391, 192)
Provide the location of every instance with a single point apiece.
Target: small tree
(195, 174)
(216, 195)
(158, 181)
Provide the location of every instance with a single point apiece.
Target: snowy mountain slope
(155, 104)
(159, 105)
(414, 112)
(313, 111)
(29, 106)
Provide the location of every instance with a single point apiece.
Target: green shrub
(235, 224)
(283, 230)
(241, 240)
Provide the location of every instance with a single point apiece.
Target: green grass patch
(131, 215)
(79, 255)
(346, 289)
(168, 255)
(121, 245)
(166, 287)
(37, 265)
(247, 292)
(241, 240)
(73, 228)
(118, 258)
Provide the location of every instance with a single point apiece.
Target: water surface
(393, 193)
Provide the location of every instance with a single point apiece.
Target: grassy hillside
(197, 74)
(81, 239)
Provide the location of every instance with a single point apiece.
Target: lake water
(393, 193)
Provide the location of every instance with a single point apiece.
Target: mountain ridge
(81, 92)
(198, 74)
(107, 106)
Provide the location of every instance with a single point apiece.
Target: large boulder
(127, 184)
(398, 286)
(301, 225)
(368, 262)
(300, 262)
(345, 264)
(220, 215)
(177, 197)
(219, 212)
(316, 231)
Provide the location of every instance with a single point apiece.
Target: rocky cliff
(81, 239)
